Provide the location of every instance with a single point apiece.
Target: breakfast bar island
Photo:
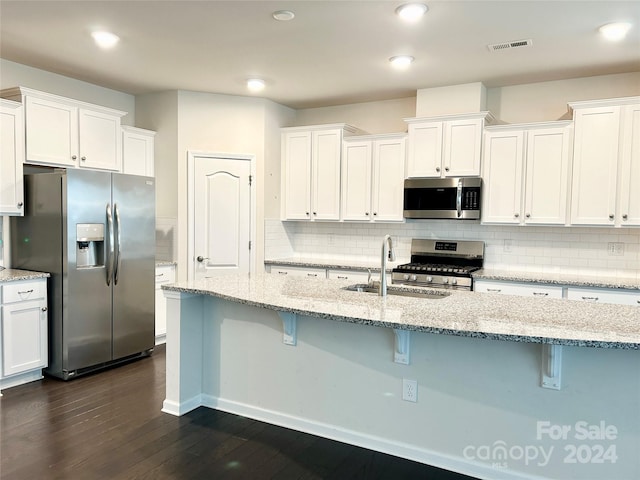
(495, 386)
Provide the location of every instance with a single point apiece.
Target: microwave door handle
(459, 199)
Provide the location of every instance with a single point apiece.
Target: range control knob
(445, 280)
(429, 279)
(454, 281)
(405, 276)
(414, 278)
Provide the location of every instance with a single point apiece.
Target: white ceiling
(333, 52)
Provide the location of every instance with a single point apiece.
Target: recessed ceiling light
(283, 15)
(615, 31)
(411, 12)
(401, 62)
(105, 39)
(255, 84)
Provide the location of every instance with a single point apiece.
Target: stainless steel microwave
(454, 198)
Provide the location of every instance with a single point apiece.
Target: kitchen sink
(400, 291)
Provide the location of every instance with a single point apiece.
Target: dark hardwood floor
(109, 426)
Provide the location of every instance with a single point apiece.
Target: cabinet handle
(366, 213)
(496, 290)
(20, 204)
(344, 277)
(44, 309)
(375, 213)
(160, 275)
(315, 213)
(312, 274)
(516, 215)
(306, 213)
(590, 299)
(528, 215)
(446, 169)
(540, 294)
(84, 159)
(625, 217)
(282, 273)
(438, 169)
(25, 292)
(73, 157)
(611, 216)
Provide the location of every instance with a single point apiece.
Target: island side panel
(476, 398)
(184, 352)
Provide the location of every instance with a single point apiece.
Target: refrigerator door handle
(110, 252)
(116, 261)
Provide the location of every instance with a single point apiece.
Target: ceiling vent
(497, 47)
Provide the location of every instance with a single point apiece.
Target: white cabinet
(526, 173)
(68, 133)
(606, 171)
(373, 178)
(517, 288)
(311, 159)
(165, 274)
(23, 336)
(297, 271)
(137, 151)
(11, 158)
(604, 295)
(446, 146)
(356, 276)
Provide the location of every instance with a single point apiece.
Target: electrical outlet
(409, 390)
(615, 248)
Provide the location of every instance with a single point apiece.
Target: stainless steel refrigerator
(94, 232)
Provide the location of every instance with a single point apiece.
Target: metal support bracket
(551, 366)
(289, 322)
(401, 347)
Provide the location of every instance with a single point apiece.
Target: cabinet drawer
(165, 274)
(298, 272)
(598, 295)
(21, 291)
(521, 289)
(356, 276)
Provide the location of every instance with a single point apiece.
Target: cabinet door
(137, 152)
(296, 194)
(388, 180)
(24, 337)
(462, 147)
(595, 160)
(356, 180)
(100, 140)
(425, 149)
(547, 171)
(325, 190)
(502, 176)
(164, 275)
(51, 133)
(11, 158)
(629, 208)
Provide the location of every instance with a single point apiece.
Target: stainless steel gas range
(441, 264)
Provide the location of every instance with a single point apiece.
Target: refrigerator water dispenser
(89, 245)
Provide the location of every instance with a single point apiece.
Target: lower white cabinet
(604, 295)
(356, 276)
(297, 271)
(23, 336)
(164, 274)
(517, 288)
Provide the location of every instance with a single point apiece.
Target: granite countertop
(13, 275)
(631, 283)
(468, 314)
(335, 263)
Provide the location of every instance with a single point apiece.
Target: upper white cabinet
(446, 146)
(606, 170)
(526, 173)
(11, 158)
(68, 133)
(311, 163)
(137, 151)
(373, 178)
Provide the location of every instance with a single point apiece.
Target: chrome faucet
(387, 252)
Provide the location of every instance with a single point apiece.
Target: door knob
(201, 259)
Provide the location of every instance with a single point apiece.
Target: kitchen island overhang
(300, 353)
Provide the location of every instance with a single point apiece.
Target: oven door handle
(459, 198)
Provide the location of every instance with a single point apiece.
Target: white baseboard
(178, 409)
(370, 442)
(22, 378)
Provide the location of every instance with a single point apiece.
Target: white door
(222, 216)
(356, 181)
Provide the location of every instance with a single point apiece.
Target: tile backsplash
(579, 250)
